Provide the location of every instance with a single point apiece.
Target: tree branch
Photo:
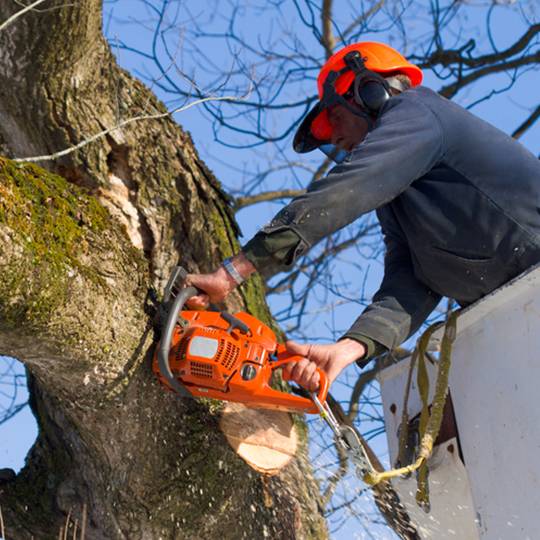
(242, 202)
(322, 169)
(334, 250)
(328, 39)
(451, 90)
(446, 58)
(367, 376)
(362, 18)
(528, 123)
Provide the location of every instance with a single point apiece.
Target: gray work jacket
(458, 202)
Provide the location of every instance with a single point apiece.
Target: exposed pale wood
(266, 440)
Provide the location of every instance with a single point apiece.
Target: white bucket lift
(494, 493)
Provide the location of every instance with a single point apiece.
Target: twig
(242, 202)
(19, 13)
(2, 530)
(447, 58)
(332, 250)
(362, 18)
(67, 525)
(83, 524)
(323, 167)
(338, 475)
(367, 376)
(527, 124)
(452, 89)
(93, 138)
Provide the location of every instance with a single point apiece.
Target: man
(458, 202)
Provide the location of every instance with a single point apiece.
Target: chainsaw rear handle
(166, 337)
(322, 391)
(180, 295)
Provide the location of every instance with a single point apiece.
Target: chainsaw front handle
(324, 385)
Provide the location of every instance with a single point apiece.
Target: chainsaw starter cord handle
(165, 344)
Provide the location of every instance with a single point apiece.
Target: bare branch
(242, 202)
(338, 475)
(529, 122)
(332, 251)
(367, 376)
(157, 116)
(328, 39)
(452, 89)
(446, 58)
(19, 13)
(363, 18)
(323, 168)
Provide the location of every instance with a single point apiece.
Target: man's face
(348, 129)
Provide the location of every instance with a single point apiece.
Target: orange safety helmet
(370, 60)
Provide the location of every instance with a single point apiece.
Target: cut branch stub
(266, 440)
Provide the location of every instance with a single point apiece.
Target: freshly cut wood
(266, 440)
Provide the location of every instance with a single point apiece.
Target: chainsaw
(214, 354)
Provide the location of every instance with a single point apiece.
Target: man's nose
(337, 137)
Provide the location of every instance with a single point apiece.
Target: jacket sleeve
(405, 143)
(401, 304)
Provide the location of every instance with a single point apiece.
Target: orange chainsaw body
(214, 359)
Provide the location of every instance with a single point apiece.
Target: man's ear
(396, 86)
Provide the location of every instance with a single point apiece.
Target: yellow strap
(422, 378)
(404, 426)
(441, 389)
(423, 386)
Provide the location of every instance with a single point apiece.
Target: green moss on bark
(47, 221)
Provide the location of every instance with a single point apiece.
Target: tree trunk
(79, 253)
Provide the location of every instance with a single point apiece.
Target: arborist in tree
(458, 202)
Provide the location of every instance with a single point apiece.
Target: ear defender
(370, 90)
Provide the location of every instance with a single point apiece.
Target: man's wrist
(232, 271)
(244, 266)
(224, 277)
(351, 350)
(238, 268)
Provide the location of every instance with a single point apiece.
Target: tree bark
(82, 243)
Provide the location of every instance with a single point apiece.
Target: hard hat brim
(314, 131)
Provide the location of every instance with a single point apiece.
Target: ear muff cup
(370, 94)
